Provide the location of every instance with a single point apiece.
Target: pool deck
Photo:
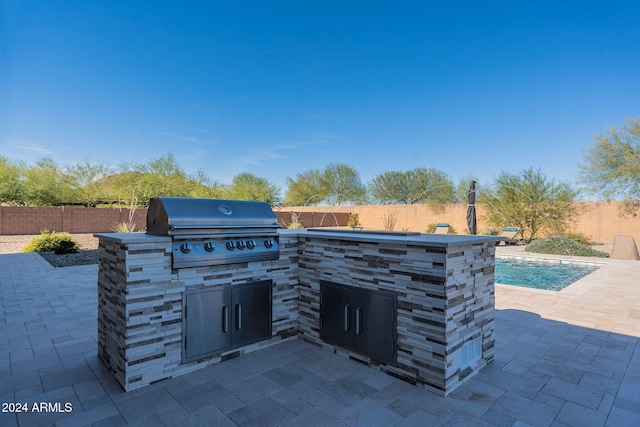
(607, 299)
(568, 358)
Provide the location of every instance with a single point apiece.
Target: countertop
(419, 239)
(132, 237)
(379, 236)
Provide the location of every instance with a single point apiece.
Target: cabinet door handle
(358, 320)
(238, 316)
(346, 317)
(225, 318)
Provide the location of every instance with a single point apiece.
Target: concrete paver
(562, 358)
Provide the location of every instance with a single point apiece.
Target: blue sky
(276, 88)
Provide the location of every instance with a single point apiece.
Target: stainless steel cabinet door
(336, 314)
(359, 319)
(375, 325)
(208, 322)
(251, 306)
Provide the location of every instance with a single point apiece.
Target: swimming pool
(551, 275)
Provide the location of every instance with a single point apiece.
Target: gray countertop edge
(374, 236)
(128, 238)
(434, 240)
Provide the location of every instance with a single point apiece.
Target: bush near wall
(50, 241)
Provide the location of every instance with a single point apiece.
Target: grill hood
(178, 216)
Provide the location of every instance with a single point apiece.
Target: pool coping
(552, 260)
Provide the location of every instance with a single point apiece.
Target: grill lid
(181, 216)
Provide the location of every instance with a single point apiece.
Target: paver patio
(562, 358)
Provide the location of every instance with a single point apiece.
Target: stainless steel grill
(215, 231)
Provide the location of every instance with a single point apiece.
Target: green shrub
(578, 237)
(354, 220)
(123, 227)
(560, 245)
(389, 220)
(295, 222)
(50, 241)
(490, 232)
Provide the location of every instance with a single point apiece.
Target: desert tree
(305, 189)
(336, 184)
(88, 182)
(11, 182)
(611, 164)
(47, 184)
(342, 185)
(246, 186)
(162, 176)
(530, 201)
(461, 191)
(391, 187)
(416, 185)
(437, 188)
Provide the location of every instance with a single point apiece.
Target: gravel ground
(11, 244)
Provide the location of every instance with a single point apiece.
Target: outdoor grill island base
(442, 287)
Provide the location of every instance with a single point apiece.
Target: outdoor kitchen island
(419, 307)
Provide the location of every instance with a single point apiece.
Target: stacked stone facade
(140, 305)
(444, 287)
(445, 299)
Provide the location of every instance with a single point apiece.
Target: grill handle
(358, 320)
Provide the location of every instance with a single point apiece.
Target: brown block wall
(88, 220)
(32, 220)
(27, 220)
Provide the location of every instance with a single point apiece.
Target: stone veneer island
(443, 287)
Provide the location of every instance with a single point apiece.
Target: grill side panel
(157, 218)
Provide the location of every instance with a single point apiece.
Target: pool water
(551, 276)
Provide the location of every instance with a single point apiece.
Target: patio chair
(510, 234)
(442, 229)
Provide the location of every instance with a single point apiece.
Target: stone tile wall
(445, 299)
(140, 305)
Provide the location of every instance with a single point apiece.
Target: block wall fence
(32, 220)
(599, 221)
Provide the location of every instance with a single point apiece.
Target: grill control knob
(268, 243)
(209, 246)
(251, 244)
(240, 245)
(185, 248)
(231, 245)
